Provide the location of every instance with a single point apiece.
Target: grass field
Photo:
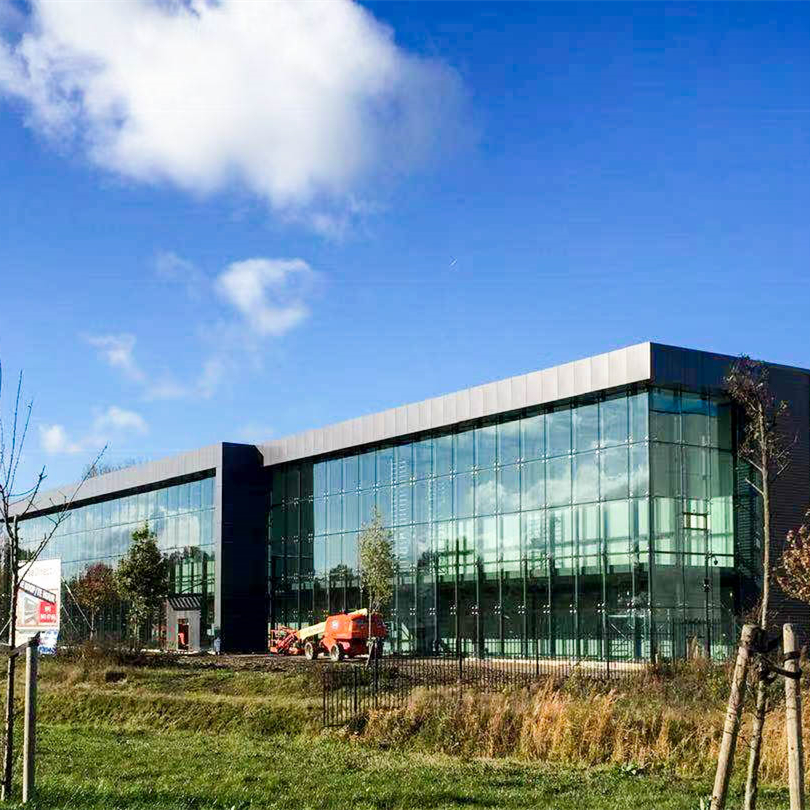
(198, 737)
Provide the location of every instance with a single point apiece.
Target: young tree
(766, 447)
(142, 578)
(18, 501)
(94, 590)
(377, 566)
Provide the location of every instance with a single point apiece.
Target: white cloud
(118, 351)
(108, 427)
(268, 293)
(119, 419)
(298, 102)
(53, 439)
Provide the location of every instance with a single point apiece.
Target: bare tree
(98, 467)
(16, 503)
(766, 447)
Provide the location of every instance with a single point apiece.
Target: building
(593, 508)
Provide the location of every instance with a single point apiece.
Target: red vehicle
(344, 635)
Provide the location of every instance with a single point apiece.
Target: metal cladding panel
(390, 422)
(476, 399)
(425, 416)
(518, 386)
(617, 368)
(549, 385)
(401, 420)
(136, 477)
(490, 394)
(436, 412)
(609, 370)
(462, 399)
(582, 377)
(600, 372)
(503, 396)
(565, 381)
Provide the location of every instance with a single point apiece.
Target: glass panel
(486, 532)
(485, 492)
(403, 514)
(586, 427)
(639, 416)
(666, 469)
(334, 514)
(665, 427)
(385, 466)
(509, 442)
(368, 470)
(351, 511)
(463, 459)
(663, 399)
(558, 481)
(509, 488)
(485, 446)
(613, 421)
(443, 489)
(335, 475)
(614, 473)
(533, 438)
(422, 511)
(463, 495)
(586, 478)
(558, 432)
(423, 458)
(319, 473)
(351, 473)
(639, 470)
(559, 537)
(587, 528)
(696, 472)
(403, 460)
(443, 455)
(207, 495)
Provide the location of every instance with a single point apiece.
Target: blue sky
(220, 228)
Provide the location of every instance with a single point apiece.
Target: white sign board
(38, 602)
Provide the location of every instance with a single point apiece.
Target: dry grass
(670, 721)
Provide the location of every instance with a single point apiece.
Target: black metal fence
(352, 689)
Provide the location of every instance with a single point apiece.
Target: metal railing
(352, 689)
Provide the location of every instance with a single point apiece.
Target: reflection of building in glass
(596, 507)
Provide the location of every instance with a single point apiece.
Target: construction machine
(343, 635)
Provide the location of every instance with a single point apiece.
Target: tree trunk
(752, 779)
(8, 751)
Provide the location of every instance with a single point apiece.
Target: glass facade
(182, 516)
(558, 528)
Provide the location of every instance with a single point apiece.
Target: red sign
(47, 613)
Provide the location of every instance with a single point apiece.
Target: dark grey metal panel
(792, 491)
(241, 574)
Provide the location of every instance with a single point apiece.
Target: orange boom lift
(344, 635)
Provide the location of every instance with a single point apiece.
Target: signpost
(38, 602)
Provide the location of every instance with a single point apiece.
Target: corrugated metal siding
(792, 490)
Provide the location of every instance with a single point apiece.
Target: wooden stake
(732, 726)
(793, 721)
(30, 731)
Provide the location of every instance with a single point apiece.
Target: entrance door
(182, 634)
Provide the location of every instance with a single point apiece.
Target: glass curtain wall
(530, 532)
(692, 472)
(182, 516)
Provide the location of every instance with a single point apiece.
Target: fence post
(732, 726)
(30, 732)
(354, 690)
(793, 720)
